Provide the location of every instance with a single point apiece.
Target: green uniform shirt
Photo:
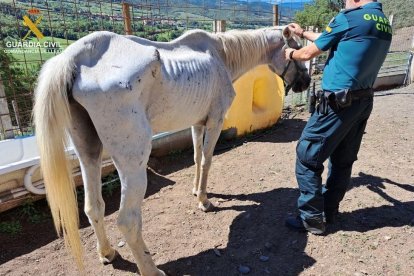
(359, 40)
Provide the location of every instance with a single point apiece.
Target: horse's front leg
(214, 126)
(197, 133)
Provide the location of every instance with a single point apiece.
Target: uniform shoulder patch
(329, 28)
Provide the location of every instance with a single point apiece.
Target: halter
(298, 70)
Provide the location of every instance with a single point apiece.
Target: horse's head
(294, 73)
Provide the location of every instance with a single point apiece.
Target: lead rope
(297, 67)
(286, 85)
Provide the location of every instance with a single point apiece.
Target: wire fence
(397, 64)
(32, 31)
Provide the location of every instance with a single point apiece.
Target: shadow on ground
(258, 231)
(29, 239)
(397, 214)
(285, 131)
(257, 239)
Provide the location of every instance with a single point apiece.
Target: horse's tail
(52, 119)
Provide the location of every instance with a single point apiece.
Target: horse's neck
(244, 50)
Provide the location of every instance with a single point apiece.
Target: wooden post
(391, 19)
(276, 15)
(6, 126)
(411, 80)
(309, 64)
(412, 44)
(219, 26)
(16, 114)
(127, 18)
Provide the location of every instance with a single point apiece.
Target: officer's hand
(296, 29)
(288, 52)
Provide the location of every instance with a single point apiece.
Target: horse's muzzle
(302, 84)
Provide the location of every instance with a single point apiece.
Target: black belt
(345, 97)
(336, 100)
(362, 93)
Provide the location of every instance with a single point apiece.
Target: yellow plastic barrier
(258, 103)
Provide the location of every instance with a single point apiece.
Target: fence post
(17, 115)
(412, 44)
(411, 69)
(310, 63)
(276, 15)
(127, 19)
(219, 26)
(6, 126)
(391, 19)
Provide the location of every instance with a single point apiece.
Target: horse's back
(198, 40)
(176, 86)
(108, 63)
(183, 93)
(187, 85)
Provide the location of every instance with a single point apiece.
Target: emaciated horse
(112, 91)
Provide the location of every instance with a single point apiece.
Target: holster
(339, 99)
(325, 99)
(343, 98)
(336, 100)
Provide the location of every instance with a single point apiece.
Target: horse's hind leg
(197, 133)
(129, 144)
(89, 150)
(134, 179)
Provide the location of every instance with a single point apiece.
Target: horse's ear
(287, 33)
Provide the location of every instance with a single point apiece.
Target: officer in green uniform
(358, 38)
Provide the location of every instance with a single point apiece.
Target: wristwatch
(291, 55)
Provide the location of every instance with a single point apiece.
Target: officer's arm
(311, 35)
(302, 33)
(331, 36)
(303, 54)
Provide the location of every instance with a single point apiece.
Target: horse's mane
(243, 48)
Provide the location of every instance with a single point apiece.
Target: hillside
(158, 20)
(88, 16)
(252, 13)
(403, 11)
(402, 39)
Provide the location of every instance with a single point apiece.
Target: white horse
(113, 91)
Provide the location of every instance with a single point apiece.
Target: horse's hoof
(206, 207)
(194, 192)
(108, 258)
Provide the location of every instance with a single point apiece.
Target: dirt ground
(253, 186)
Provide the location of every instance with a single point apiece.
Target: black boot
(299, 225)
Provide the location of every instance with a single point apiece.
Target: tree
(317, 14)
(402, 10)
